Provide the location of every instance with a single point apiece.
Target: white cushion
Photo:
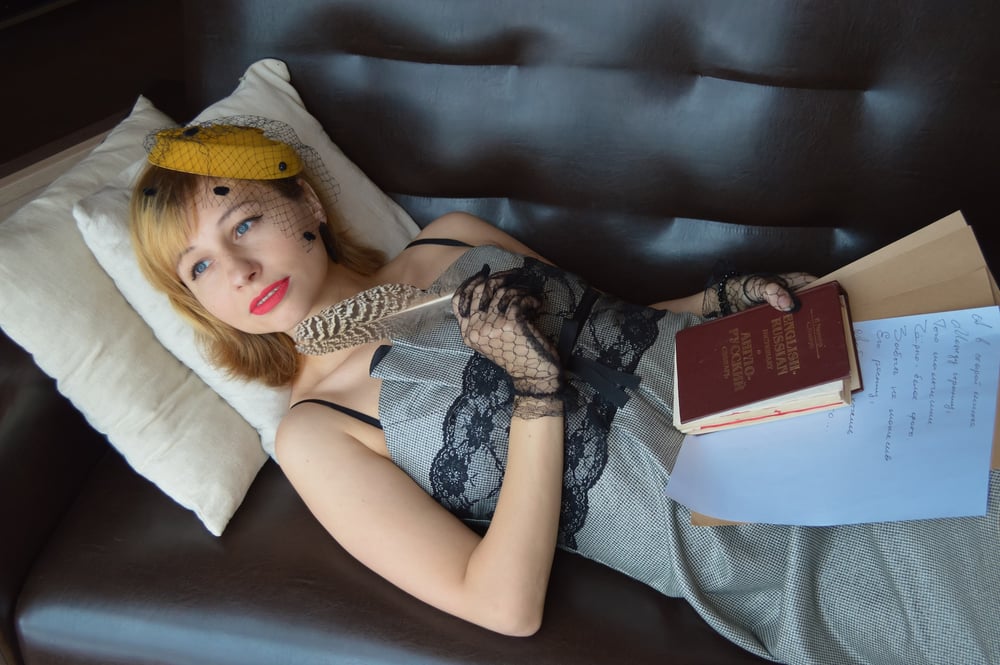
(165, 416)
(59, 304)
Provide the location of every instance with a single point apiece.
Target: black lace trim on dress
(467, 472)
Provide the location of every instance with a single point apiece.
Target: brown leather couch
(640, 143)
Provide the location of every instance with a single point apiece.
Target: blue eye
(198, 268)
(244, 226)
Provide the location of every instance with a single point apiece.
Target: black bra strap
(449, 242)
(363, 417)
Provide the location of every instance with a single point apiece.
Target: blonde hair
(161, 228)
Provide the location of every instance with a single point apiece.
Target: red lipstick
(269, 298)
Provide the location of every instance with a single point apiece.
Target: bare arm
(689, 304)
(743, 292)
(759, 289)
(385, 520)
(510, 567)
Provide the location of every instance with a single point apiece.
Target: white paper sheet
(914, 444)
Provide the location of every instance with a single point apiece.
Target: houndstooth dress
(906, 593)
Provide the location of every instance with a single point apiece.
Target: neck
(342, 283)
(339, 284)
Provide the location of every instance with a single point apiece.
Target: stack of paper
(917, 441)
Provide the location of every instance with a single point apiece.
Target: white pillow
(264, 90)
(57, 302)
(170, 426)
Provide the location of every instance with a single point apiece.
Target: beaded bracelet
(725, 308)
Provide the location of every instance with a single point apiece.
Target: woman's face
(255, 259)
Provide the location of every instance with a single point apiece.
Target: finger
(471, 281)
(518, 278)
(780, 298)
(471, 300)
(524, 310)
(476, 278)
(466, 291)
(770, 290)
(499, 283)
(514, 277)
(480, 299)
(507, 295)
(505, 298)
(464, 307)
(796, 280)
(487, 294)
(529, 305)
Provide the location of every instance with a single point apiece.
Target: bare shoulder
(299, 430)
(319, 455)
(474, 231)
(378, 513)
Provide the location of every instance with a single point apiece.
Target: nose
(241, 270)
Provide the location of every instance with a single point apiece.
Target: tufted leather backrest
(639, 142)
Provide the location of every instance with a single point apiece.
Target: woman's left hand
(735, 293)
(778, 291)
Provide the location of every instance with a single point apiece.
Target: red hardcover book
(761, 364)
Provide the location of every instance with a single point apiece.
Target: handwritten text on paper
(915, 442)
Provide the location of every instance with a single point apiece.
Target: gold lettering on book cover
(740, 358)
(785, 344)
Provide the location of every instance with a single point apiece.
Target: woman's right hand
(496, 317)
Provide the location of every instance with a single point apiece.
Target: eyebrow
(218, 222)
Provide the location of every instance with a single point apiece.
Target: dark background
(131, 47)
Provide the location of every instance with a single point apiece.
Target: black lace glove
(735, 292)
(495, 314)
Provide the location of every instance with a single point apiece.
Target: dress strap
(449, 242)
(363, 417)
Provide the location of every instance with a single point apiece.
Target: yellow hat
(224, 151)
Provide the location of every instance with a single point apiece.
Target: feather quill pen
(371, 315)
(378, 313)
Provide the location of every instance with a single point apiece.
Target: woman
(541, 408)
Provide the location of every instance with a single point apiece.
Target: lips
(269, 298)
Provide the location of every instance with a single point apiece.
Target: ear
(312, 201)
